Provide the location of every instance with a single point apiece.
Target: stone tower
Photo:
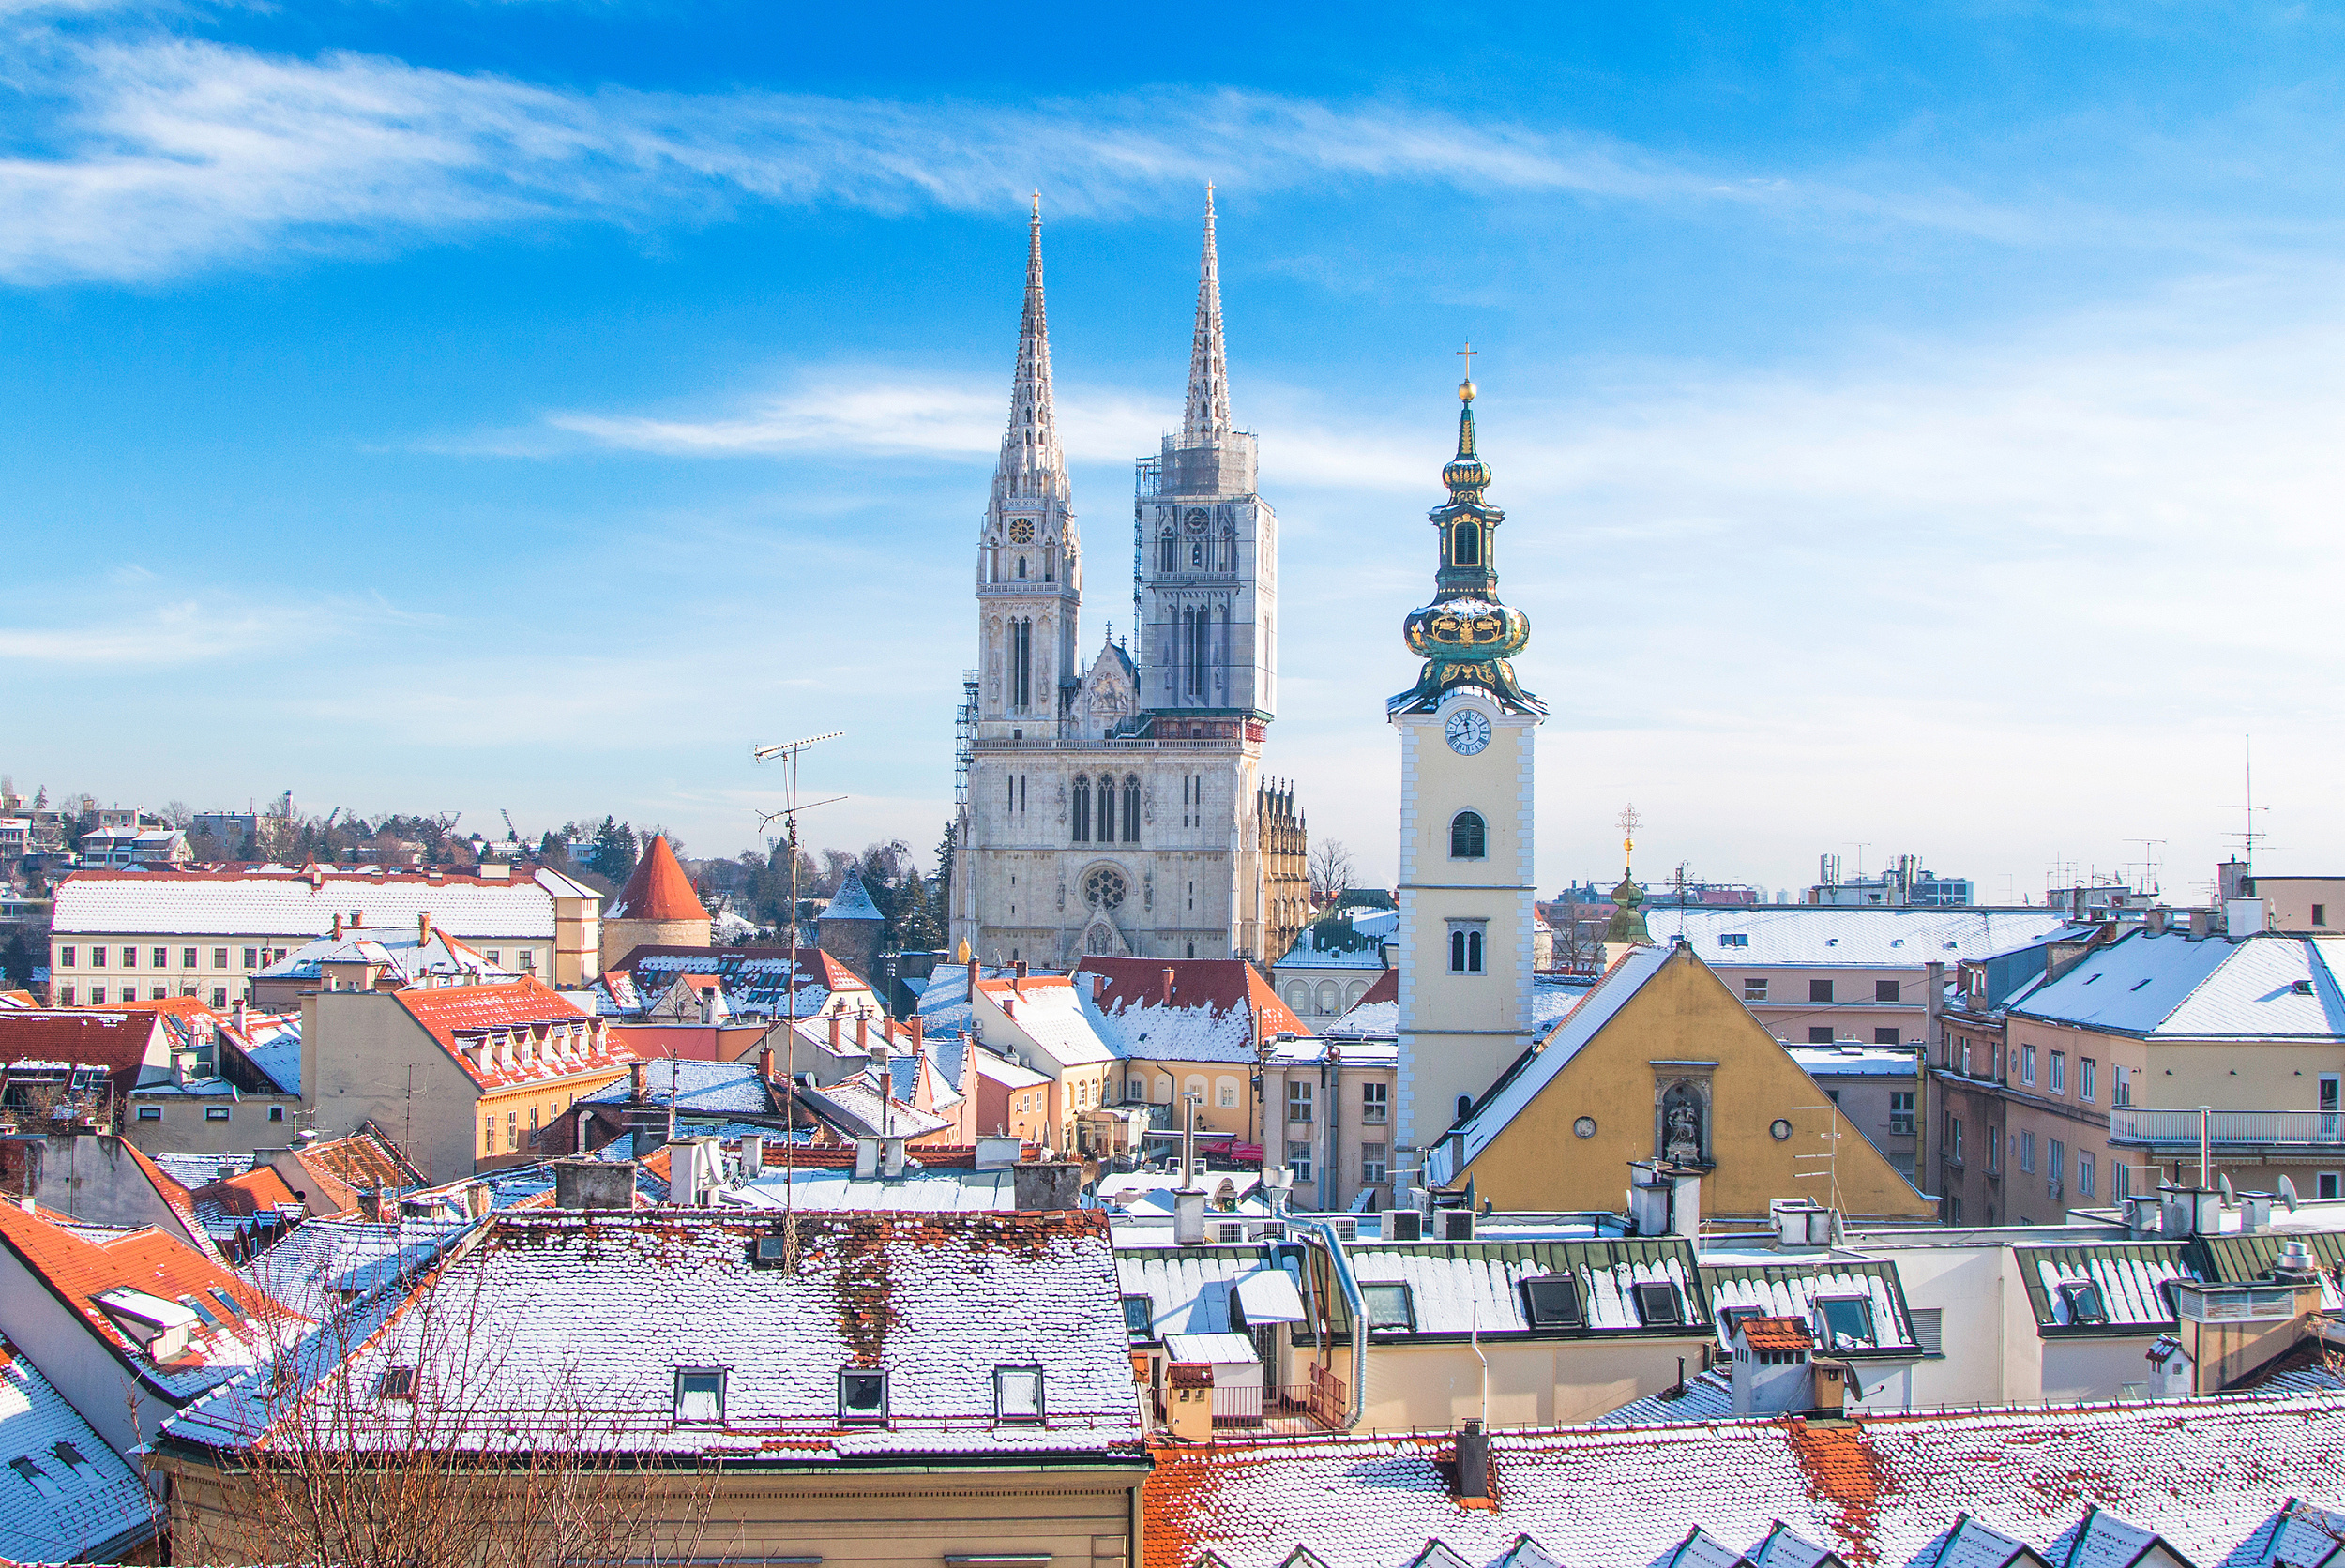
(657, 907)
(1466, 890)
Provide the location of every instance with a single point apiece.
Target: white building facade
(1117, 809)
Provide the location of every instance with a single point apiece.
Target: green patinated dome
(1628, 922)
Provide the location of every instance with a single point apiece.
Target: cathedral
(1118, 807)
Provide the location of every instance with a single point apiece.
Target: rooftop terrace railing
(2310, 1129)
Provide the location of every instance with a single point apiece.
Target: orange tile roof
(120, 1042)
(361, 1161)
(147, 1260)
(658, 890)
(523, 1013)
(1777, 1334)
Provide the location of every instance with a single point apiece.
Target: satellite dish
(2230, 1198)
(2288, 1193)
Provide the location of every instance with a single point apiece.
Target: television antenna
(2247, 835)
(2148, 863)
(788, 753)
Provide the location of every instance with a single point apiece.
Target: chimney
(1167, 998)
(371, 1204)
(863, 1033)
(1473, 1463)
(423, 926)
(236, 1014)
(867, 1158)
(477, 1198)
(583, 1184)
(637, 1091)
(1099, 986)
(833, 1032)
(753, 1157)
(1188, 1219)
(892, 1158)
(765, 1062)
(338, 927)
(2153, 921)
(919, 1032)
(1018, 969)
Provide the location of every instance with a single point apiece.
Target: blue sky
(1918, 425)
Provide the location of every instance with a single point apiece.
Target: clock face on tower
(1468, 732)
(1022, 532)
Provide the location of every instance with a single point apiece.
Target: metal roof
(1824, 937)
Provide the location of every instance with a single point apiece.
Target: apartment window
(64, 957)
(2027, 1066)
(1371, 1163)
(162, 958)
(2325, 1185)
(1901, 1112)
(487, 1135)
(1847, 1320)
(700, 1396)
(98, 957)
(129, 957)
(863, 1397)
(1465, 947)
(276, 1113)
(1884, 990)
(1819, 1033)
(2027, 1151)
(495, 955)
(1227, 1096)
(1953, 1144)
(97, 996)
(1966, 1059)
(150, 1113)
(2320, 915)
(2085, 1173)
(154, 994)
(1388, 1306)
(2055, 1157)
(2060, 1072)
(2088, 1078)
(1018, 1394)
(1299, 1159)
(512, 1130)
(216, 1113)
(1135, 1089)
(186, 957)
(527, 958)
(1994, 1150)
(1954, 1211)
(1820, 990)
(1928, 1328)
(1887, 1036)
(64, 996)
(219, 958)
(251, 958)
(2120, 1090)
(1375, 1102)
(1298, 1101)
(1754, 989)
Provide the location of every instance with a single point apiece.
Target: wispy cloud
(130, 632)
(141, 157)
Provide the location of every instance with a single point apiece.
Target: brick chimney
(1167, 985)
(833, 1032)
(863, 1031)
(637, 1089)
(1018, 970)
(338, 927)
(918, 1029)
(423, 926)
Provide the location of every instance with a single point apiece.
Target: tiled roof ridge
(658, 890)
(253, 872)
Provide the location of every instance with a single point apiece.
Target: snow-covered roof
(521, 1032)
(1182, 1009)
(1188, 1288)
(281, 902)
(1047, 1009)
(936, 1301)
(728, 1088)
(64, 1492)
(1353, 940)
(1707, 1396)
(2168, 986)
(1377, 1014)
(1820, 936)
(1791, 1290)
(1851, 1060)
(316, 1266)
(403, 952)
(758, 982)
(2129, 1278)
(1475, 1286)
(852, 901)
(2211, 1477)
(856, 1108)
(951, 1189)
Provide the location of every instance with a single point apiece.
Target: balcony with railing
(2313, 1131)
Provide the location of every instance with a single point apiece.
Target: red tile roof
(549, 1039)
(1217, 984)
(1386, 988)
(341, 1169)
(120, 1042)
(658, 890)
(1778, 1335)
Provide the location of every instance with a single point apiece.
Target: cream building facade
(1118, 808)
(1467, 895)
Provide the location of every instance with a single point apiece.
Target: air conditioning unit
(1346, 1228)
(1457, 1225)
(1270, 1230)
(1405, 1225)
(1229, 1232)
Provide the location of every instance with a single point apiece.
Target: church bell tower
(1467, 887)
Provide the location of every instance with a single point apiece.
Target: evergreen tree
(944, 878)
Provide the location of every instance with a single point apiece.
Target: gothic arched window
(1197, 554)
(1107, 809)
(1131, 808)
(1082, 809)
(1020, 661)
(1465, 549)
(1021, 565)
(1468, 839)
(1165, 559)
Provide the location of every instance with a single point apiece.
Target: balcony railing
(2179, 1129)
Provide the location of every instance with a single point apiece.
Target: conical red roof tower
(658, 890)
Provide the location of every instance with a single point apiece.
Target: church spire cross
(1032, 467)
(1207, 420)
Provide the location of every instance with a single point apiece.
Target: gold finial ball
(1465, 391)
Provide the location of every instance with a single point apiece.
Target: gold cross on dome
(1467, 353)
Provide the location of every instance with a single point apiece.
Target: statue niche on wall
(1684, 1138)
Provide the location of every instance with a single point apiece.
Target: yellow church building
(1662, 1062)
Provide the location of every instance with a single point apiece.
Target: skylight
(2083, 1300)
(863, 1396)
(1847, 1320)
(1388, 1306)
(73, 1459)
(1657, 1304)
(36, 1477)
(1552, 1301)
(1018, 1394)
(700, 1395)
(1140, 1318)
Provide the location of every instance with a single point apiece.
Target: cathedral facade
(1117, 808)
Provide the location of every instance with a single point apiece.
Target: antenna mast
(788, 753)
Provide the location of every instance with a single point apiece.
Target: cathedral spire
(1208, 421)
(1032, 467)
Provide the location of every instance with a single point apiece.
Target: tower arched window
(1165, 560)
(1082, 809)
(1021, 565)
(1106, 808)
(1468, 838)
(1197, 554)
(1465, 546)
(1131, 808)
(1022, 661)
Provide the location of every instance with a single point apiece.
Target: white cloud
(153, 155)
(131, 631)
